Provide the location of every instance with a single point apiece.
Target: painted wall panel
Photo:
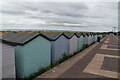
(92, 39)
(95, 37)
(86, 40)
(32, 56)
(0, 60)
(8, 61)
(73, 43)
(101, 36)
(89, 40)
(83, 40)
(80, 43)
(60, 47)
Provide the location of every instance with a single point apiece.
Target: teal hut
(80, 41)
(32, 52)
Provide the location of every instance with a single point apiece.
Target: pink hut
(72, 42)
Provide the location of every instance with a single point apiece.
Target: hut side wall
(95, 37)
(101, 36)
(73, 43)
(37, 51)
(92, 39)
(0, 60)
(89, 39)
(8, 61)
(59, 48)
(86, 40)
(80, 43)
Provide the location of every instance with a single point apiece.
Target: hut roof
(18, 38)
(69, 35)
(83, 34)
(78, 34)
(87, 34)
(51, 36)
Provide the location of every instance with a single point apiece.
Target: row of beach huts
(25, 53)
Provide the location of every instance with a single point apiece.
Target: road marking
(104, 46)
(111, 56)
(110, 74)
(112, 49)
(113, 45)
(94, 67)
(106, 41)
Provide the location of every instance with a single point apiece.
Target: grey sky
(83, 16)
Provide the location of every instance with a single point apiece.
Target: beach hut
(0, 59)
(101, 35)
(92, 40)
(32, 52)
(95, 37)
(7, 60)
(59, 45)
(80, 41)
(73, 42)
(89, 39)
(85, 38)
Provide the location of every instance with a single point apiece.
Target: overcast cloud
(88, 16)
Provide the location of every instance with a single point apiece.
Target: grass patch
(85, 46)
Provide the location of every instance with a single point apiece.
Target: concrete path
(98, 61)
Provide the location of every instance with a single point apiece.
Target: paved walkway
(98, 61)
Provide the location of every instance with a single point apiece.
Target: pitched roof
(93, 33)
(83, 34)
(78, 34)
(87, 34)
(51, 36)
(68, 35)
(18, 38)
